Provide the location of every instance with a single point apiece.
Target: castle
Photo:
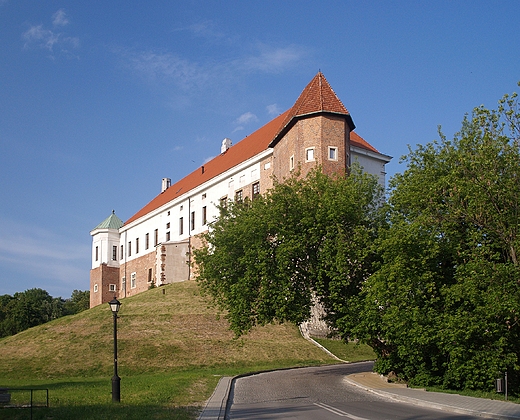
(153, 246)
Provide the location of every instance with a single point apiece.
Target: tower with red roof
(154, 244)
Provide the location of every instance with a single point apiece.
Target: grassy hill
(172, 349)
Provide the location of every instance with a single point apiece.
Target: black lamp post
(116, 380)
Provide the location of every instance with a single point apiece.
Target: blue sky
(99, 100)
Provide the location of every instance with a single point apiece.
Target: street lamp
(116, 380)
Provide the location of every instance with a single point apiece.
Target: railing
(24, 398)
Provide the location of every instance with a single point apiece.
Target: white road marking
(338, 412)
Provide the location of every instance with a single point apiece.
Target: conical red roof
(317, 97)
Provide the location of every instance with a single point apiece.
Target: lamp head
(114, 305)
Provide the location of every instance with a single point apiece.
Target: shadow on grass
(96, 412)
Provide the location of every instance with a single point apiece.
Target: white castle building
(153, 246)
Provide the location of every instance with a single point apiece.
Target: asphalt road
(318, 393)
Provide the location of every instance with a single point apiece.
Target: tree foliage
(35, 306)
(264, 260)
(443, 306)
(434, 288)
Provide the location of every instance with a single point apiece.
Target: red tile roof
(356, 140)
(317, 97)
(240, 152)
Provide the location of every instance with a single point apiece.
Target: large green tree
(266, 259)
(443, 306)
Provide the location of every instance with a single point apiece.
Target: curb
(429, 404)
(215, 408)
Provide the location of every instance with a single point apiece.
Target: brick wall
(103, 276)
(318, 132)
(141, 267)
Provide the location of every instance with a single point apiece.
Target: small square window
(238, 195)
(112, 287)
(333, 153)
(309, 155)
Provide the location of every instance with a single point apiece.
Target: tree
(442, 306)
(78, 302)
(264, 260)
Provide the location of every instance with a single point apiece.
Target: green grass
(170, 358)
(476, 394)
(350, 352)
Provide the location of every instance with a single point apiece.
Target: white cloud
(274, 60)
(246, 118)
(42, 254)
(273, 109)
(60, 18)
(40, 37)
(165, 67)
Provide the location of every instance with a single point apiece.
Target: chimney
(166, 183)
(226, 144)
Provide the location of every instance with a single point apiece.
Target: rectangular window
(129, 249)
(333, 153)
(238, 195)
(112, 287)
(122, 252)
(147, 241)
(137, 245)
(242, 180)
(291, 163)
(309, 155)
(95, 288)
(256, 190)
(223, 202)
(168, 225)
(155, 237)
(97, 253)
(114, 252)
(167, 236)
(181, 226)
(192, 221)
(204, 216)
(149, 275)
(133, 280)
